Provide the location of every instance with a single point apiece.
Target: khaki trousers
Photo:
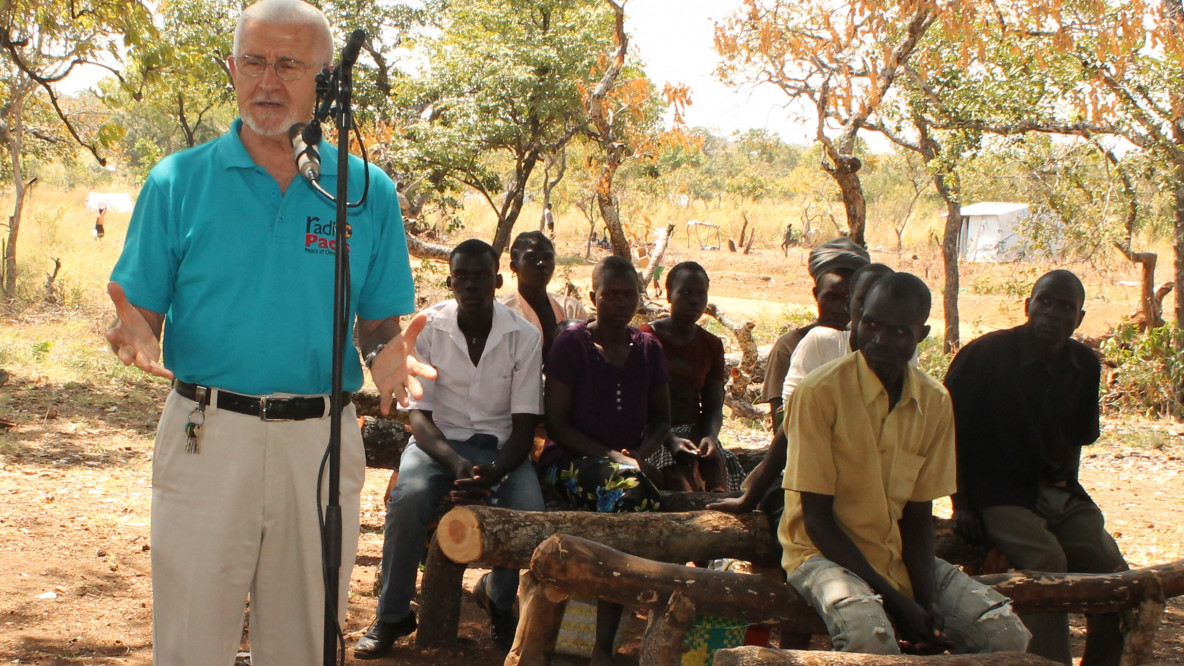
(239, 518)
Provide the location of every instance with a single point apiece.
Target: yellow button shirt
(845, 441)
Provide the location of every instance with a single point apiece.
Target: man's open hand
(132, 338)
(395, 369)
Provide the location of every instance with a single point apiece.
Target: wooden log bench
(758, 656)
(496, 537)
(565, 565)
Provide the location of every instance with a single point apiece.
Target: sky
(675, 39)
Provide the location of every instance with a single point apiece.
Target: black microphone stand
(338, 98)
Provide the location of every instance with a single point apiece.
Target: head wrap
(837, 254)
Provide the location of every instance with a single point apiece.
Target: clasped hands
(474, 483)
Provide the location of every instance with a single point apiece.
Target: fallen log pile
(566, 565)
(493, 536)
(757, 656)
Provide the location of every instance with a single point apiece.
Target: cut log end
(460, 535)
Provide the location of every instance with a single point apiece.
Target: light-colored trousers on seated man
(977, 618)
(239, 518)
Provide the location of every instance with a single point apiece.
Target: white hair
(287, 12)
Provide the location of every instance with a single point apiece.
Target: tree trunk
(584, 568)
(760, 656)
(846, 175)
(1150, 313)
(1140, 638)
(541, 610)
(949, 257)
(1088, 593)
(438, 620)
(501, 537)
(14, 134)
(512, 205)
(614, 149)
(384, 441)
(1178, 237)
(742, 331)
(559, 160)
(425, 250)
(656, 257)
(505, 538)
(662, 644)
(581, 567)
(1178, 248)
(676, 501)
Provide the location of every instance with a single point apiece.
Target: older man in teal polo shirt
(231, 254)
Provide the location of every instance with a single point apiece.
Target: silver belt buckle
(263, 415)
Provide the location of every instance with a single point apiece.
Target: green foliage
(1147, 370)
(753, 166)
(797, 315)
(430, 282)
(1016, 284)
(504, 88)
(39, 350)
(931, 358)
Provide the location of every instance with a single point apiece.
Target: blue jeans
(422, 483)
(977, 618)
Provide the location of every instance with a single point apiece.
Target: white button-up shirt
(467, 400)
(820, 346)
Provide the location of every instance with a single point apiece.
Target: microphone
(353, 46)
(308, 160)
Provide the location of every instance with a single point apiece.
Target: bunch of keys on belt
(197, 419)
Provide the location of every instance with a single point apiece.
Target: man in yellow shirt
(871, 445)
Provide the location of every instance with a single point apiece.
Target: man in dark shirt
(1025, 402)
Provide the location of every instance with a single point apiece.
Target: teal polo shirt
(244, 272)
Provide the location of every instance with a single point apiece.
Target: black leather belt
(267, 408)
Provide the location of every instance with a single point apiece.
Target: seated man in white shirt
(471, 433)
(820, 346)
(823, 345)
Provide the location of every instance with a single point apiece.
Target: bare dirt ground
(75, 583)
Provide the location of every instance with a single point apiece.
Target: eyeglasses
(287, 69)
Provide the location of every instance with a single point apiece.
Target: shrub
(1146, 371)
(932, 359)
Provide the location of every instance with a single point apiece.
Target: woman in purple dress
(607, 405)
(607, 409)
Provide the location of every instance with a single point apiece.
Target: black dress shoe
(381, 637)
(502, 623)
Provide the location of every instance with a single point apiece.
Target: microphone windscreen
(353, 46)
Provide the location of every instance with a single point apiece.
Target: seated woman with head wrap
(831, 265)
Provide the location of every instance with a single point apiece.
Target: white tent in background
(112, 201)
(992, 232)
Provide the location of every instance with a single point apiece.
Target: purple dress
(610, 405)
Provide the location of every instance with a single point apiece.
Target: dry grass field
(76, 429)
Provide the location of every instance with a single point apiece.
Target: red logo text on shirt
(321, 237)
